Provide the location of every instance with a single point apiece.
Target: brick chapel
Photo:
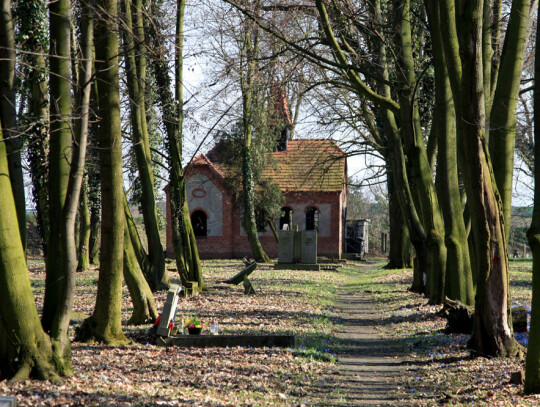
(311, 173)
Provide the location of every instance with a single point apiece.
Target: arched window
(312, 219)
(198, 221)
(286, 218)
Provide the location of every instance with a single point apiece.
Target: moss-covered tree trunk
(60, 150)
(532, 369)
(502, 126)
(25, 349)
(144, 306)
(136, 73)
(105, 324)
(184, 242)
(136, 244)
(8, 114)
(400, 253)
(492, 332)
(459, 281)
(59, 330)
(419, 169)
(248, 55)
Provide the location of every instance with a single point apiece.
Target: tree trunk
(105, 324)
(458, 283)
(8, 114)
(144, 307)
(250, 224)
(59, 330)
(95, 226)
(136, 72)
(399, 256)
(60, 150)
(419, 169)
(492, 333)
(532, 370)
(136, 245)
(38, 133)
(184, 242)
(503, 112)
(84, 232)
(248, 57)
(25, 349)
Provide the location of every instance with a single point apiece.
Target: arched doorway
(312, 218)
(199, 223)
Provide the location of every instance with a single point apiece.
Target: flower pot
(194, 331)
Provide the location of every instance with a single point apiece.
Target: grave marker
(286, 246)
(309, 247)
(169, 311)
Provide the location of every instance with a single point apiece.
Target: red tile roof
(310, 165)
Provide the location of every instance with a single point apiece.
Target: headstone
(169, 311)
(308, 247)
(286, 246)
(6, 401)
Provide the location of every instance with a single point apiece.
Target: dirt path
(370, 366)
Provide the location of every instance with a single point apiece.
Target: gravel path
(371, 364)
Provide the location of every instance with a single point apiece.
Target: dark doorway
(312, 219)
(198, 220)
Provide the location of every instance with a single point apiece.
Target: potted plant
(193, 325)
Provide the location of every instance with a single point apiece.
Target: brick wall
(234, 244)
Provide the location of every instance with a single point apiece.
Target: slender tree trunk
(37, 120)
(60, 150)
(84, 232)
(184, 242)
(136, 244)
(532, 370)
(399, 256)
(25, 349)
(503, 114)
(8, 114)
(248, 58)
(144, 307)
(459, 281)
(105, 324)
(136, 72)
(59, 331)
(502, 136)
(95, 226)
(250, 224)
(420, 170)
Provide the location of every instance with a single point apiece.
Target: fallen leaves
(146, 375)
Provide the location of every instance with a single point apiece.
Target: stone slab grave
(308, 247)
(203, 341)
(169, 310)
(6, 401)
(243, 277)
(207, 341)
(297, 250)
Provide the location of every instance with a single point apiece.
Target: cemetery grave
(166, 336)
(297, 250)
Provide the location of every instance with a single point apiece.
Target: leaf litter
(440, 370)
(143, 374)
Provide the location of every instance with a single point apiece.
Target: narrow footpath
(370, 366)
